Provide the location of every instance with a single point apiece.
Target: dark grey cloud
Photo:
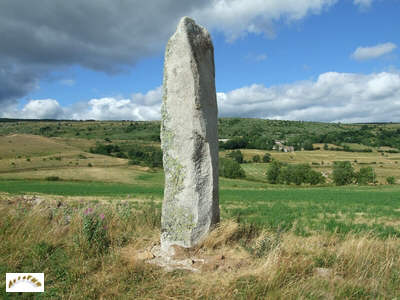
(15, 81)
(42, 36)
(39, 37)
(98, 34)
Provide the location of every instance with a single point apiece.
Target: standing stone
(189, 137)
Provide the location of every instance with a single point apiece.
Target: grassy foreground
(94, 250)
(305, 211)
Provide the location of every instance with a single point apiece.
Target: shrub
(105, 149)
(236, 155)
(299, 174)
(391, 180)
(121, 155)
(343, 173)
(314, 178)
(235, 143)
(308, 145)
(230, 169)
(256, 158)
(267, 158)
(273, 172)
(365, 175)
(52, 178)
(146, 156)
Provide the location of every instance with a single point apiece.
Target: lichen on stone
(176, 175)
(179, 223)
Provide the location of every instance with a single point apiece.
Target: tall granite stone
(189, 137)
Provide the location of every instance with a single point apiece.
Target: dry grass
(24, 156)
(28, 145)
(120, 174)
(242, 262)
(78, 143)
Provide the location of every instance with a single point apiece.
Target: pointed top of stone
(185, 20)
(188, 26)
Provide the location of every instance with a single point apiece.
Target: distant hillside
(30, 145)
(252, 133)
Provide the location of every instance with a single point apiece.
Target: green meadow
(373, 210)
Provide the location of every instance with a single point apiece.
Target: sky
(309, 60)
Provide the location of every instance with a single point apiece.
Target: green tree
(365, 175)
(145, 156)
(273, 172)
(256, 158)
(313, 177)
(266, 158)
(391, 180)
(236, 155)
(343, 173)
(308, 145)
(236, 143)
(299, 173)
(285, 175)
(230, 169)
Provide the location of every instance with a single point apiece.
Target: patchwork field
(321, 160)
(274, 241)
(54, 166)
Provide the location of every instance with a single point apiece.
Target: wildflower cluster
(95, 230)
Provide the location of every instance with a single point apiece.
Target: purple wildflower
(88, 211)
(102, 216)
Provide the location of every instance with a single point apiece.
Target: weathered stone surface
(189, 137)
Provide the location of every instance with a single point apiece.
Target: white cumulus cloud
(333, 97)
(364, 53)
(42, 109)
(240, 17)
(138, 107)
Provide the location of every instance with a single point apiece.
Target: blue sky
(312, 60)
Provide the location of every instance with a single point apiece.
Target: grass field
(240, 261)
(274, 241)
(305, 211)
